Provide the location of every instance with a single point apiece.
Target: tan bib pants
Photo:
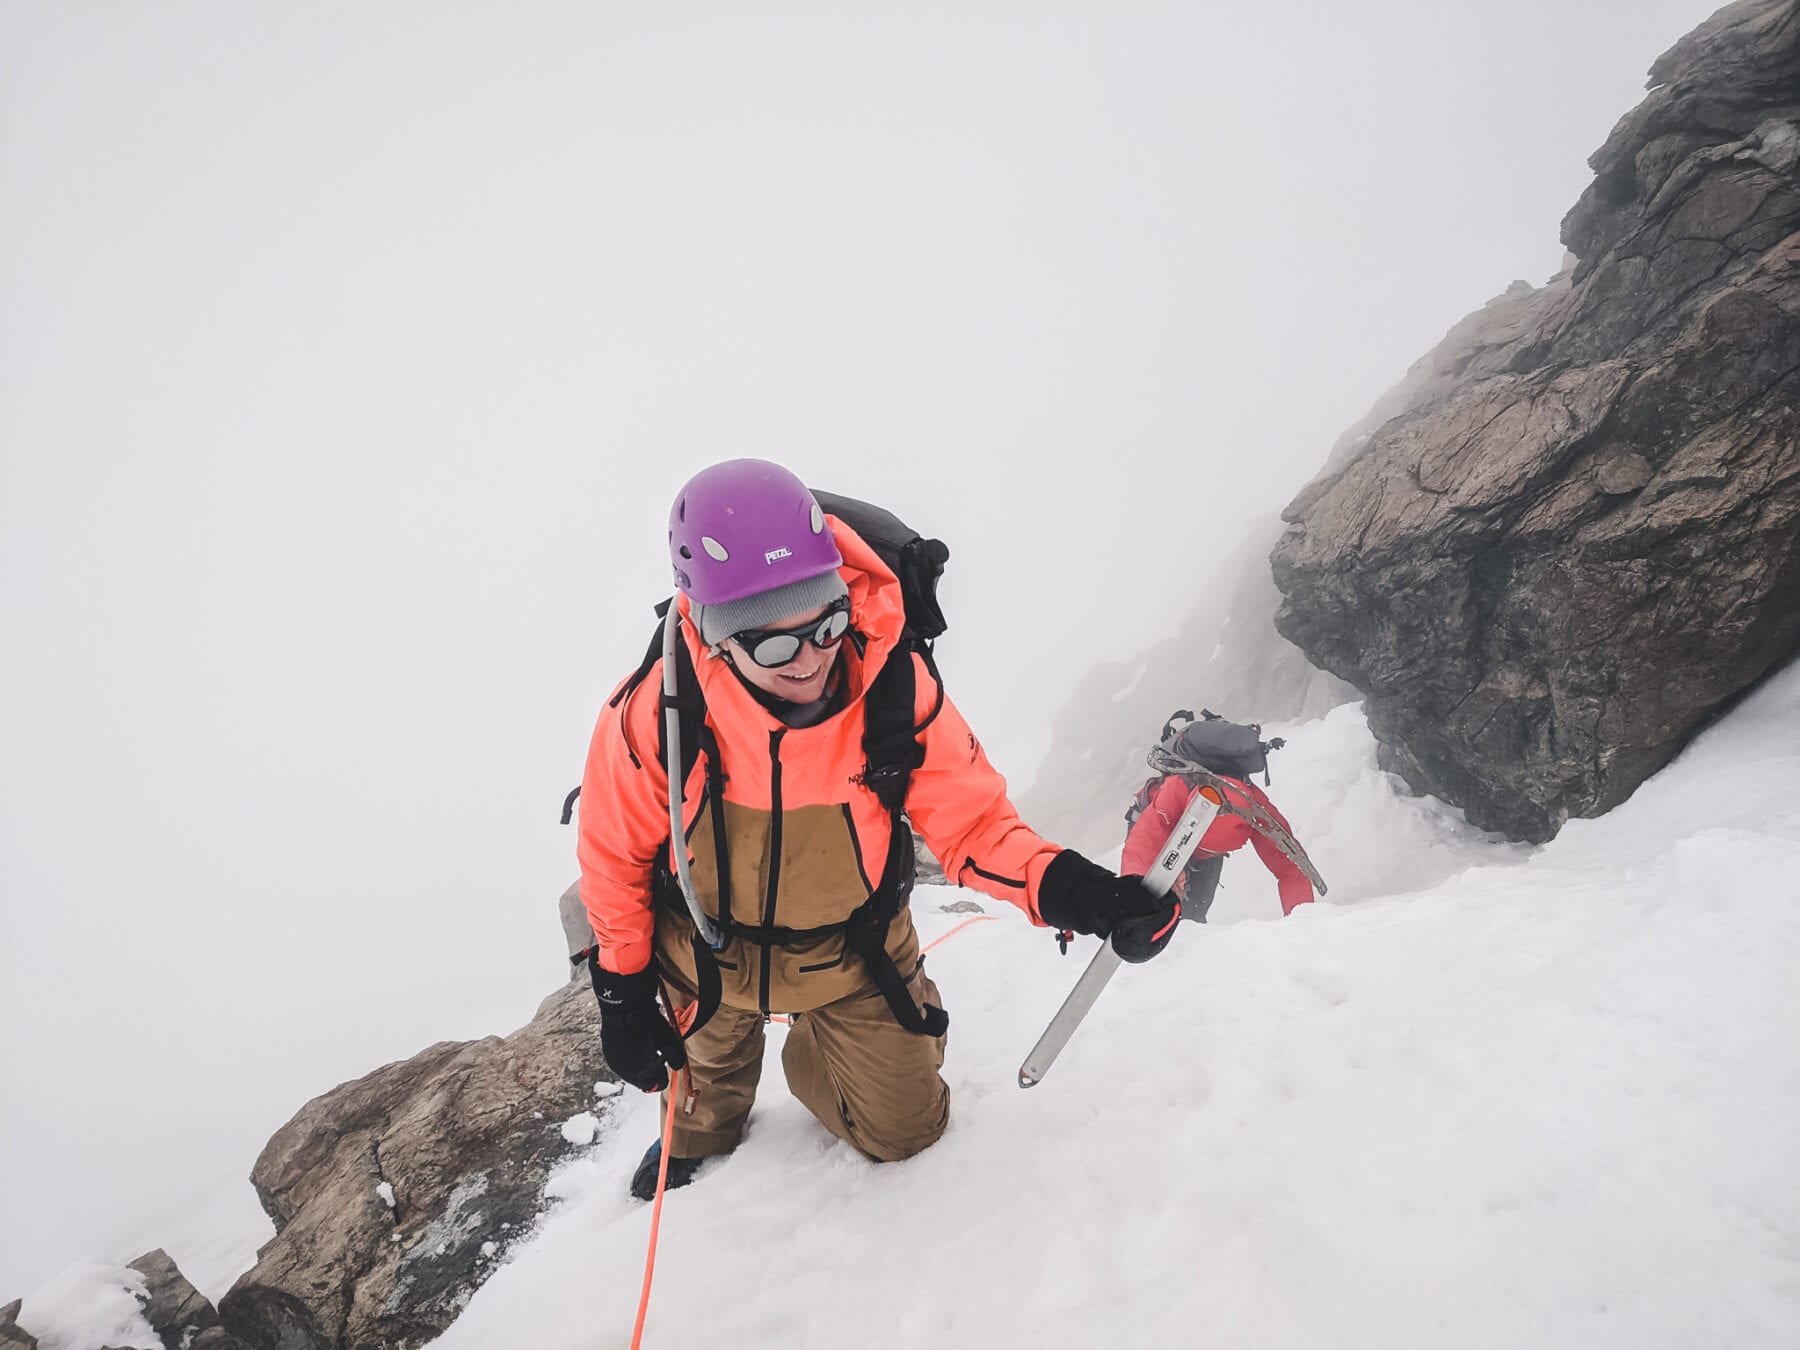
(869, 1081)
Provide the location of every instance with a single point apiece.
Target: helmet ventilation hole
(714, 548)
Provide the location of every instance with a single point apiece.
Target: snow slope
(1483, 1096)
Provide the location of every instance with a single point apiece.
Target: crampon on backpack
(891, 752)
(1229, 749)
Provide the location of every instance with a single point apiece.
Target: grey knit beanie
(718, 622)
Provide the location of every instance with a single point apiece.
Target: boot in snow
(681, 1171)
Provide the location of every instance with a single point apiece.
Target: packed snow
(581, 1128)
(1483, 1095)
(88, 1305)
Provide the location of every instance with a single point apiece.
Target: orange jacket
(1228, 832)
(801, 840)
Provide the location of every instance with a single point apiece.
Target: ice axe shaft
(1202, 810)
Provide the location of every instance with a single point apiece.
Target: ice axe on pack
(1203, 808)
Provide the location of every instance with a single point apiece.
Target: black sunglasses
(772, 647)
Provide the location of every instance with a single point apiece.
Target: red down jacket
(1152, 828)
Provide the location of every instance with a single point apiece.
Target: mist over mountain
(1224, 654)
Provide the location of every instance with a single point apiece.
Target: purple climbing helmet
(748, 528)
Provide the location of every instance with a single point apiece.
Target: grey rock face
(12, 1335)
(392, 1195)
(927, 871)
(177, 1312)
(1573, 535)
(962, 907)
(578, 933)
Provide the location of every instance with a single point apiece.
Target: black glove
(635, 1037)
(1085, 897)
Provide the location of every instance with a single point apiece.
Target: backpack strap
(652, 654)
(1141, 802)
(891, 749)
(891, 752)
(690, 708)
(696, 736)
(715, 805)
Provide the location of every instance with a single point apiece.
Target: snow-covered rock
(390, 1194)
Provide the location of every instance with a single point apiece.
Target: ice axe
(1202, 810)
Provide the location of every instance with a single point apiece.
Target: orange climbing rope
(941, 938)
(676, 1086)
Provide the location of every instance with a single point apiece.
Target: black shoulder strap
(652, 654)
(690, 707)
(891, 751)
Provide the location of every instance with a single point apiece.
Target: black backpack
(917, 561)
(891, 752)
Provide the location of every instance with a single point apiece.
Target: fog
(351, 355)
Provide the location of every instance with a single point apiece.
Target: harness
(891, 751)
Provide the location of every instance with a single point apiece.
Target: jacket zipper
(856, 846)
(995, 877)
(768, 949)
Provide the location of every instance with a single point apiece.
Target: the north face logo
(778, 553)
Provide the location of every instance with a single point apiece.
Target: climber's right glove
(1083, 896)
(635, 1037)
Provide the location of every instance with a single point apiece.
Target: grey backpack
(1229, 749)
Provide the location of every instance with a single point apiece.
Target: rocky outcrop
(393, 1195)
(178, 1313)
(578, 933)
(172, 1314)
(12, 1335)
(926, 870)
(1577, 536)
(1224, 655)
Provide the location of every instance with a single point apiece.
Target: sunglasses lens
(832, 630)
(776, 650)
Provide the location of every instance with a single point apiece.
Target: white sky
(350, 355)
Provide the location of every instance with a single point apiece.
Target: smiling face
(802, 680)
